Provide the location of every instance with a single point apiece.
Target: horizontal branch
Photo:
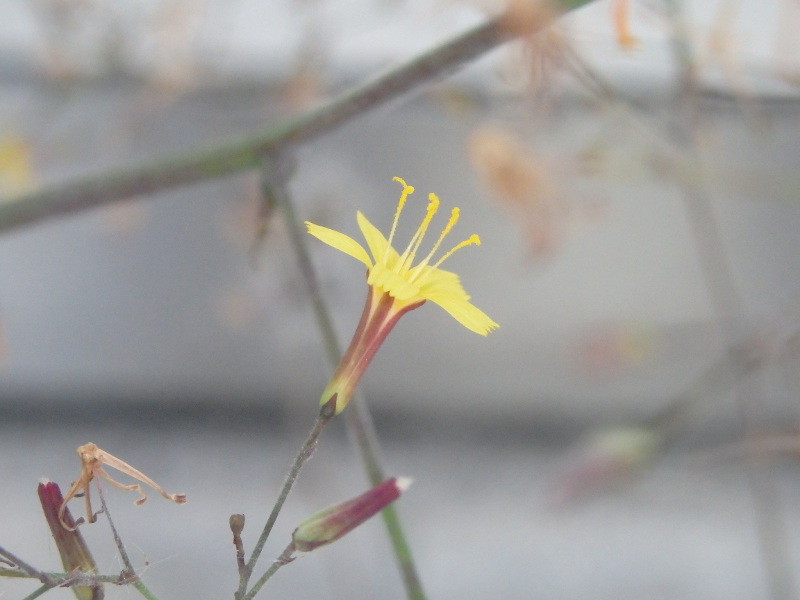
(242, 154)
(69, 579)
(22, 567)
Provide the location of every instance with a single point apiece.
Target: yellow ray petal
(378, 244)
(441, 283)
(341, 242)
(465, 313)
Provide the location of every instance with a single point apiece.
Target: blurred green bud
(605, 459)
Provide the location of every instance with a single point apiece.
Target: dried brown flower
(93, 459)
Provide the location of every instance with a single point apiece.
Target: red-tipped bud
(330, 524)
(74, 552)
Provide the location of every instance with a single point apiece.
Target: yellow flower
(396, 285)
(394, 274)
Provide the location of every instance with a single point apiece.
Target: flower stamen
(411, 251)
(453, 220)
(407, 191)
(473, 240)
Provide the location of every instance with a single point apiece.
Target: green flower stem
(284, 559)
(38, 592)
(143, 590)
(130, 572)
(301, 458)
(357, 415)
(243, 154)
(66, 579)
(23, 566)
(12, 572)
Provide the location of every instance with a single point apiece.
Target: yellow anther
(407, 191)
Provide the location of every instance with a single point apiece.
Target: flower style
(395, 286)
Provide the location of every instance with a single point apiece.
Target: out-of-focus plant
(398, 281)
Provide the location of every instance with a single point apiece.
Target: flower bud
(330, 524)
(606, 458)
(236, 523)
(75, 555)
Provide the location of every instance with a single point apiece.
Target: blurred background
(630, 430)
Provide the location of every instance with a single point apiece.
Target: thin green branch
(242, 154)
(13, 572)
(51, 580)
(301, 458)
(38, 591)
(68, 579)
(284, 559)
(25, 567)
(361, 426)
(130, 573)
